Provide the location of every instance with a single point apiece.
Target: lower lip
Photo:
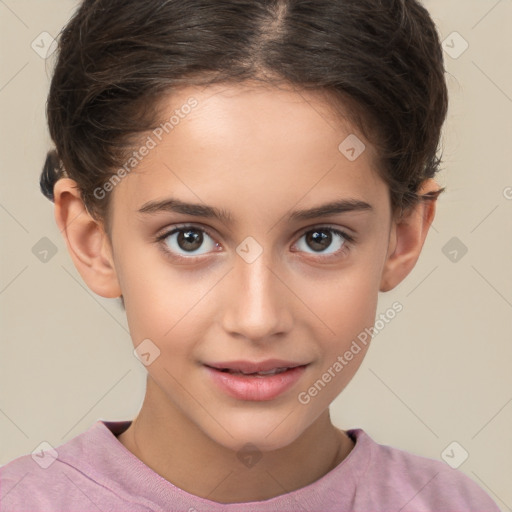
(256, 387)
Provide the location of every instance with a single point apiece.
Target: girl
(246, 176)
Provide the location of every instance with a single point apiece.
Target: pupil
(190, 236)
(320, 238)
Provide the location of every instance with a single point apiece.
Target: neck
(175, 448)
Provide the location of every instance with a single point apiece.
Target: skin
(259, 153)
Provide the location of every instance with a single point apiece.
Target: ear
(87, 242)
(407, 235)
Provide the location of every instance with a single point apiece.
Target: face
(259, 281)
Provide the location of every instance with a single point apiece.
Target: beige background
(438, 373)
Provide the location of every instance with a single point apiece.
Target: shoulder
(28, 472)
(417, 483)
(67, 477)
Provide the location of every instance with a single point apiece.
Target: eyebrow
(201, 210)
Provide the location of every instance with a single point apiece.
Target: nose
(257, 301)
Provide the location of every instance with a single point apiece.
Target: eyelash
(348, 241)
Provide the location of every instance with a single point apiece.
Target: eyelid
(346, 233)
(177, 227)
(349, 238)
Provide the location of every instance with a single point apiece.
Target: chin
(267, 431)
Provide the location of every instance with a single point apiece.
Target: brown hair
(379, 60)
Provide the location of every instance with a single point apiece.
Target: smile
(255, 386)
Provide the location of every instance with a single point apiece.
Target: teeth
(275, 371)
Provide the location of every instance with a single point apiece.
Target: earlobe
(86, 240)
(407, 237)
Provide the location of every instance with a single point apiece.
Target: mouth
(255, 381)
(254, 368)
(274, 371)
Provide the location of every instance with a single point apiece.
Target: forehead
(246, 144)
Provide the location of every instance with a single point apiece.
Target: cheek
(345, 303)
(163, 303)
(348, 309)
(150, 301)
(344, 300)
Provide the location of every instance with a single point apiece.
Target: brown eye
(187, 241)
(320, 240)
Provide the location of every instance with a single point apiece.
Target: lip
(253, 367)
(257, 387)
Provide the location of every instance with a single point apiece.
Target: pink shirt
(95, 472)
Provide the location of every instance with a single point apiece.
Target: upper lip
(253, 366)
